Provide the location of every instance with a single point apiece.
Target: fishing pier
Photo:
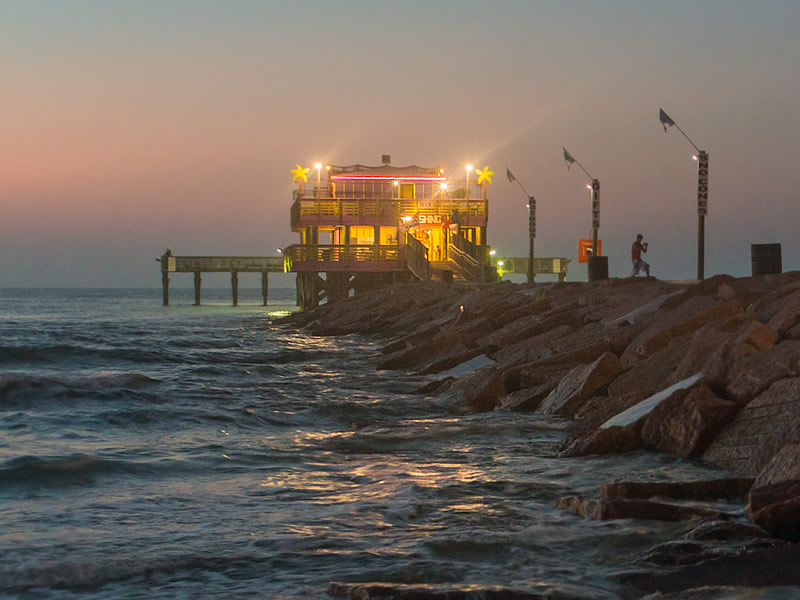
(361, 227)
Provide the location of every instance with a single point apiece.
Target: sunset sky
(127, 127)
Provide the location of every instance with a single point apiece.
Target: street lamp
(318, 167)
(466, 190)
(531, 223)
(594, 190)
(702, 192)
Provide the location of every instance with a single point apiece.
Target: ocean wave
(76, 470)
(94, 574)
(22, 390)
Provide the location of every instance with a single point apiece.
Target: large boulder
(529, 350)
(580, 384)
(649, 375)
(526, 399)
(731, 488)
(754, 374)
(786, 314)
(778, 481)
(479, 391)
(687, 421)
(775, 495)
(781, 520)
(602, 509)
(759, 430)
(612, 440)
(670, 325)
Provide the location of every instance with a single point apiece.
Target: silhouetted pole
(531, 224)
(594, 195)
(702, 210)
(702, 192)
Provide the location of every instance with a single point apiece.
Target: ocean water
(185, 452)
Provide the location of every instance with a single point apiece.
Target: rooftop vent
(386, 159)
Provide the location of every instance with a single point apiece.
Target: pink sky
(128, 127)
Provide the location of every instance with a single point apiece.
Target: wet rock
(600, 409)
(612, 440)
(771, 566)
(580, 384)
(435, 387)
(557, 365)
(781, 520)
(450, 359)
(428, 351)
(779, 480)
(678, 553)
(687, 421)
(526, 399)
(727, 531)
(603, 509)
(400, 591)
(729, 488)
(754, 374)
(774, 501)
(759, 430)
(479, 391)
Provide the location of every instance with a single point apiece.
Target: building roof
(412, 172)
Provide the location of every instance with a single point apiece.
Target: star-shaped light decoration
(301, 172)
(484, 175)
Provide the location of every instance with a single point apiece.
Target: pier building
(361, 226)
(364, 226)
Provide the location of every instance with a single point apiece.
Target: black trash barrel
(598, 268)
(447, 276)
(766, 258)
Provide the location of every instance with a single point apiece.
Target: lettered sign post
(595, 214)
(702, 210)
(531, 235)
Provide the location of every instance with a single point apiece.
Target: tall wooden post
(197, 280)
(165, 286)
(702, 210)
(265, 285)
(595, 214)
(531, 236)
(235, 287)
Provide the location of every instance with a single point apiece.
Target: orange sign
(585, 250)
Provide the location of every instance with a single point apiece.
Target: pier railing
(385, 211)
(223, 264)
(417, 258)
(343, 257)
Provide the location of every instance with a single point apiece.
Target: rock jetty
(704, 370)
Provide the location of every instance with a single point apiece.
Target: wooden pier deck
(219, 264)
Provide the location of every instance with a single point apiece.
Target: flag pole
(702, 192)
(687, 137)
(594, 189)
(531, 224)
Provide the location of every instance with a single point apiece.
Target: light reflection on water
(210, 453)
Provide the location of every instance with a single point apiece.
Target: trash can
(766, 258)
(447, 277)
(598, 268)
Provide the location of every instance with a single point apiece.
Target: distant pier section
(219, 264)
